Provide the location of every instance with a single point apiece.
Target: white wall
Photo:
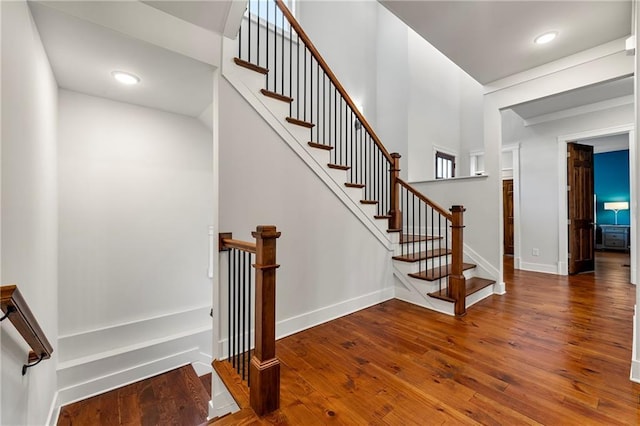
(414, 97)
(347, 44)
(29, 211)
(135, 201)
(539, 179)
(331, 263)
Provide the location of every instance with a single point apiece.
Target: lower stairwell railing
(250, 315)
(15, 309)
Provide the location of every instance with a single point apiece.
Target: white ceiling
(83, 55)
(608, 143)
(584, 96)
(494, 39)
(210, 15)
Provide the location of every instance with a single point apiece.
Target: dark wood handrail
(314, 52)
(229, 243)
(18, 312)
(429, 202)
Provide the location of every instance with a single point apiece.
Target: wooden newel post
(457, 284)
(395, 221)
(264, 392)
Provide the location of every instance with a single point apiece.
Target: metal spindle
(249, 314)
(249, 38)
(229, 304)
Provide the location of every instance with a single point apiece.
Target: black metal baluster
(258, 37)
(229, 303)
(243, 325)
(298, 78)
(275, 47)
(249, 38)
(290, 71)
(250, 323)
(282, 57)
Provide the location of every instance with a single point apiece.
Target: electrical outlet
(535, 252)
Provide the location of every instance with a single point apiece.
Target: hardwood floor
(554, 350)
(177, 397)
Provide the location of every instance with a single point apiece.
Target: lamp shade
(617, 205)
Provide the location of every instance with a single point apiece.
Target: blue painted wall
(611, 180)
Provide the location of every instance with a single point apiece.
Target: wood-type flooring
(554, 350)
(178, 397)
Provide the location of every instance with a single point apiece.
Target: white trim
(563, 232)
(590, 55)
(583, 109)
(482, 264)
(137, 321)
(310, 319)
(539, 267)
(517, 234)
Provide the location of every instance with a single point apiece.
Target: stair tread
(251, 66)
(472, 285)
(298, 122)
(338, 166)
(437, 273)
(409, 238)
(277, 96)
(320, 146)
(368, 202)
(423, 255)
(232, 380)
(354, 185)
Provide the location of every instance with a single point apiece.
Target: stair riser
(474, 298)
(414, 267)
(418, 247)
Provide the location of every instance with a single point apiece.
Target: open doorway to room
(598, 202)
(542, 130)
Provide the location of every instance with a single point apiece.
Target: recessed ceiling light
(125, 77)
(546, 37)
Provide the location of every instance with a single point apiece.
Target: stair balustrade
(272, 42)
(250, 315)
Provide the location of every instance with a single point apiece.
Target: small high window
(445, 165)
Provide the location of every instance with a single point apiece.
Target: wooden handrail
(18, 312)
(429, 202)
(314, 52)
(229, 243)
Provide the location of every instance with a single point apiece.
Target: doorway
(507, 211)
(564, 240)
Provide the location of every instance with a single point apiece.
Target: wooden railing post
(457, 285)
(395, 221)
(264, 392)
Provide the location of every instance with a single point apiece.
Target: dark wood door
(580, 202)
(507, 213)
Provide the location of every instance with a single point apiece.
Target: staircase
(275, 66)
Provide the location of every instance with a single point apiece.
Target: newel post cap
(457, 209)
(266, 232)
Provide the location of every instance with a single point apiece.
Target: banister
(422, 197)
(229, 243)
(314, 52)
(18, 312)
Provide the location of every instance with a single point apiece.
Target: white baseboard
(635, 371)
(87, 343)
(539, 267)
(486, 269)
(310, 319)
(500, 288)
(222, 402)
